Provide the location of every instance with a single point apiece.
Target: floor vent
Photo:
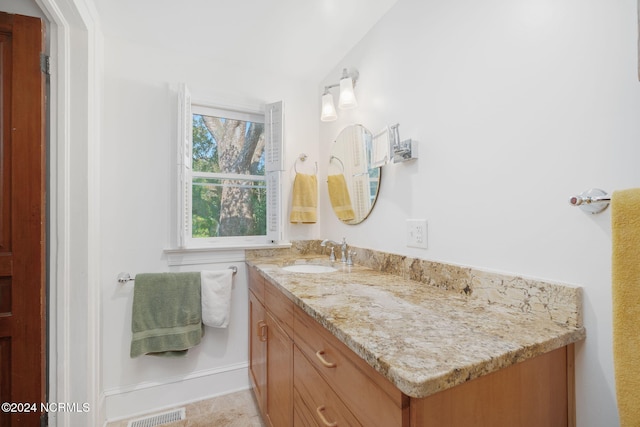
(159, 419)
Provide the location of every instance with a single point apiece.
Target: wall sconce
(347, 98)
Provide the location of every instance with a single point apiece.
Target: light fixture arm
(326, 88)
(353, 74)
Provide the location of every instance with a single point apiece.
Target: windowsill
(216, 254)
(228, 247)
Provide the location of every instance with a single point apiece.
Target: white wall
(517, 106)
(138, 178)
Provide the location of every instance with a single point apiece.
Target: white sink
(309, 268)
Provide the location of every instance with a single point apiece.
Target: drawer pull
(262, 330)
(319, 355)
(325, 421)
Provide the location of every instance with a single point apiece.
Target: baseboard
(143, 398)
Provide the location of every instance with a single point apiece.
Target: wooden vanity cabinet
(271, 351)
(303, 376)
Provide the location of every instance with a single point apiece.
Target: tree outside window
(228, 179)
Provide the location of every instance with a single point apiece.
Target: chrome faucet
(343, 249)
(346, 255)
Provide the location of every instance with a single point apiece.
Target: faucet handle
(332, 257)
(350, 254)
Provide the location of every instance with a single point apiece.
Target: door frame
(74, 298)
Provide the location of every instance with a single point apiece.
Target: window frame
(271, 179)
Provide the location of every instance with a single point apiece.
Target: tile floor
(232, 410)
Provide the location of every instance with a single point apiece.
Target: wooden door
(22, 221)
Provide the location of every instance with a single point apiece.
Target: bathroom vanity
(359, 347)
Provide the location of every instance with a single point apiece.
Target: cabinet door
(279, 375)
(258, 350)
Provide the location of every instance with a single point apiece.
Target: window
(229, 181)
(228, 187)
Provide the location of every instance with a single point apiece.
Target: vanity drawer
(302, 416)
(370, 396)
(315, 402)
(256, 283)
(280, 307)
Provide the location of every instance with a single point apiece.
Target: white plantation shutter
(274, 143)
(273, 130)
(274, 222)
(185, 135)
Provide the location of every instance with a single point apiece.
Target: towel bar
(126, 277)
(592, 201)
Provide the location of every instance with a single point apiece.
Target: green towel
(167, 314)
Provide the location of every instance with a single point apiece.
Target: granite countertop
(421, 338)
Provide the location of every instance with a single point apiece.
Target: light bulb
(347, 96)
(328, 109)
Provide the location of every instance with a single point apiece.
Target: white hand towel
(216, 297)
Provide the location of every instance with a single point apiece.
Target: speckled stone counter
(426, 338)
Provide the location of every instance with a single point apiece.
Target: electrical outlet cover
(417, 233)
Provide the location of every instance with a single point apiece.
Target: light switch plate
(417, 233)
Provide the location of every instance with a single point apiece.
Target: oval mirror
(353, 183)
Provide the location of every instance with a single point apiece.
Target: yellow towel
(339, 196)
(625, 266)
(304, 199)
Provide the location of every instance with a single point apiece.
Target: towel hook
(592, 201)
(302, 157)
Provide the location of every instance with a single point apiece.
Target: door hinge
(45, 64)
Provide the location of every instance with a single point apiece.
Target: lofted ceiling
(303, 39)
